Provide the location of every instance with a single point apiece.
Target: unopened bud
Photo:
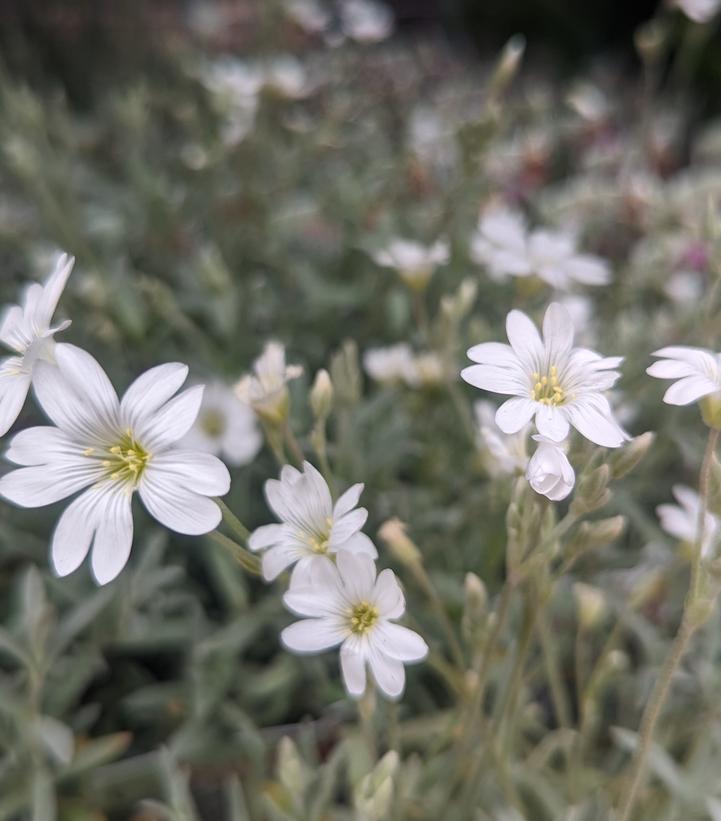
(393, 533)
(345, 373)
(651, 40)
(592, 491)
(507, 66)
(711, 410)
(290, 767)
(321, 395)
(475, 604)
(594, 534)
(624, 460)
(591, 604)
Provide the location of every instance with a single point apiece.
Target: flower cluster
(102, 447)
(552, 382)
(334, 584)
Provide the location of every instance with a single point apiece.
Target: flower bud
(345, 373)
(475, 604)
(624, 460)
(549, 472)
(321, 395)
(711, 410)
(591, 604)
(393, 533)
(507, 66)
(592, 492)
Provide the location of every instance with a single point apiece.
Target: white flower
(389, 365)
(553, 257)
(500, 243)
(286, 77)
(308, 14)
(312, 528)
(366, 21)
(503, 454)
(265, 390)
(697, 370)
(548, 378)
(682, 521)
(549, 472)
(426, 370)
(26, 330)
(225, 427)
(415, 263)
(236, 87)
(700, 11)
(110, 449)
(348, 605)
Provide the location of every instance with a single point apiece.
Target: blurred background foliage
(166, 694)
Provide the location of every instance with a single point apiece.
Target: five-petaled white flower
(548, 378)
(110, 449)
(265, 390)
(26, 330)
(225, 426)
(505, 246)
(415, 263)
(697, 370)
(549, 472)
(682, 520)
(313, 528)
(348, 604)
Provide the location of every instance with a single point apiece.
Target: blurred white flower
(308, 14)
(548, 378)
(286, 77)
(112, 448)
(502, 244)
(549, 472)
(312, 528)
(225, 427)
(265, 390)
(696, 370)
(553, 257)
(426, 370)
(389, 365)
(366, 21)
(26, 330)
(682, 520)
(700, 11)
(236, 87)
(503, 454)
(348, 604)
(415, 263)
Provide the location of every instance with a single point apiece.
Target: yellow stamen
(362, 617)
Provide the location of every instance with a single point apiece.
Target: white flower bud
(549, 472)
(321, 395)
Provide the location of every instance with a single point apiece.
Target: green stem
(245, 558)
(436, 602)
(293, 445)
(233, 521)
(689, 623)
(553, 674)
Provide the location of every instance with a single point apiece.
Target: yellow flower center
(213, 423)
(126, 461)
(546, 388)
(363, 616)
(319, 542)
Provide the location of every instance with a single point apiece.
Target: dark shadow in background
(82, 43)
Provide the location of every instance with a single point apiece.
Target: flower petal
(496, 379)
(398, 642)
(151, 390)
(353, 667)
(52, 291)
(557, 333)
(525, 341)
(593, 418)
(514, 414)
(42, 444)
(172, 421)
(359, 543)
(75, 529)
(46, 484)
(265, 537)
(388, 596)
(313, 635)
(348, 500)
(389, 673)
(113, 537)
(197, 471)
(551, 422)
(689, 389)
(84, 373)
(14, 387)
(347, 525)
(176, 507)
(358, 573)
